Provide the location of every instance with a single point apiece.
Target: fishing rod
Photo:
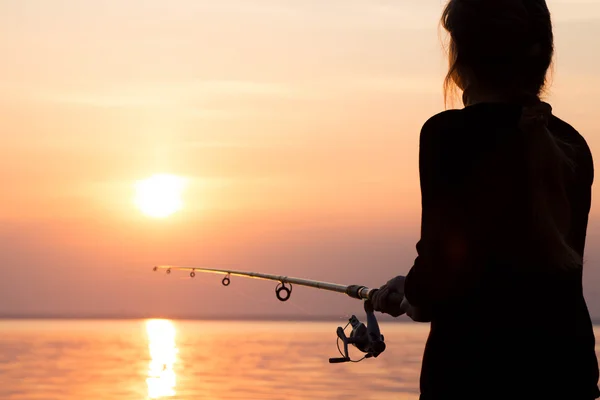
(366, 338)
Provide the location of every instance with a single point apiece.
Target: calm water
(161, 359)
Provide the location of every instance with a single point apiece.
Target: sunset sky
(294, 123)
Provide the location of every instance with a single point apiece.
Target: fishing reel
(366, 338)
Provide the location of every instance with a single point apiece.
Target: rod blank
(355, 291)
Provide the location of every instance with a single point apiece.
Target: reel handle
(338, 360)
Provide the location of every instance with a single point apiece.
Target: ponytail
(547, 166)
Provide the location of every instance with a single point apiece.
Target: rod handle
(358, 292)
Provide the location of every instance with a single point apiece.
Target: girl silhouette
(506, 192)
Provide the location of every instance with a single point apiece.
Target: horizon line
(258, 317)
(208, 318)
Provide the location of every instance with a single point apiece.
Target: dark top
(499, 328)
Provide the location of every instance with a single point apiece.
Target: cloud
(213, 98)
(166, 94)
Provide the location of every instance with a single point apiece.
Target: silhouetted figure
(506, 192)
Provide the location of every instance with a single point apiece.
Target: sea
(200, 360)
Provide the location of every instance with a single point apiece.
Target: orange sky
(295, 121)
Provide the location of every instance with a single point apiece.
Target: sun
(159, 196)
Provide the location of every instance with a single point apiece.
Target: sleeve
(442, 267)
(585, 181)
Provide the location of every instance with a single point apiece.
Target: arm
(442, 267)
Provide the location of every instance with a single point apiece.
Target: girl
(506, 192)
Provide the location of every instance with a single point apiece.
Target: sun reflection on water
(163, 354)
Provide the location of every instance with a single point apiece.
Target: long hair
(505, 48)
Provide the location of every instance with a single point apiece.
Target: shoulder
(567, 132)
(441, 130)
(442, 121)
(440, 146)
(564, 128)
(577, 145)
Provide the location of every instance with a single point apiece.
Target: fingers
(388, 301)
(389, 298)
(378, 299)
(394, 304)
(397, 283)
